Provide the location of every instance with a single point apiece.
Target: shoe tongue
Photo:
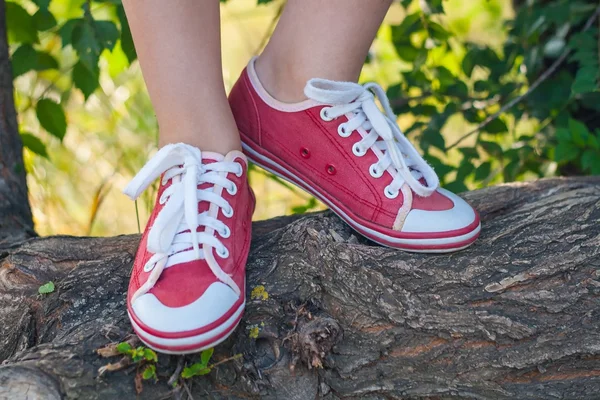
(211, 157)
(333, 92)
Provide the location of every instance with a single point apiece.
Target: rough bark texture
(15, 216)
(516, 316)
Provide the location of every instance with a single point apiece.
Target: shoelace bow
(175, 228)
(399, 153)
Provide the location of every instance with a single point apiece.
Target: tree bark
(516, 316)
(16, 222)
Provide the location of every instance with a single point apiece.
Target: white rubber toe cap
(458, 217)
(212, 305)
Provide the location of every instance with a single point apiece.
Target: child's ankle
(280, 80)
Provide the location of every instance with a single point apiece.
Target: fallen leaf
(46, 288)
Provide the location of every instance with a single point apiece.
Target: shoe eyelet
(374, 171)
(304, 152)
(240, 171)
(389, 194)
(232, 190)
(324, 114)
(343, 132)
(227, 212)
(224, 253)
(358, 151)
(226, 232)
(331, 170)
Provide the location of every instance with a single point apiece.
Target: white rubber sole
(190, 344)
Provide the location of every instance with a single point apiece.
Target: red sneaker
(187, 288)
(341, 148)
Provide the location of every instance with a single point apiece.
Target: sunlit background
(77, 190)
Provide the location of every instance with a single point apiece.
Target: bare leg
(319, 39)
(179, 46)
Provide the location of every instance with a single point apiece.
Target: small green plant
(138, 354)
(150, 372)
(200, 368)
(46, 288)
(142, 356)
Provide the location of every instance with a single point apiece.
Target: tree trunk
(516, 316)
(15, 215)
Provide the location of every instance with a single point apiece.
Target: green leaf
(589, 158)
(483, 171)
(195, 370)
(469, 152)
(107, 34)
(585, 80)
(19, 24)
(456, 187)
(566, 151)
(52, 117)
(150, 355)
(468, 63)
(435, 6)
(43, 4)
(445, 77)
(579, 132)
(458, 89)
(465, 169)
(410, 24)
(481, 86)
(86, 80)
(206, 355)
(563, 134)
(90, 38)
(432, 137)
(593, 142)
(124, 348)
(492, 148)
(440, 168)
(126, 38)
(34, 144)
(481, 56)
(44, 20)
(26, 58)
(66, 31)
(137, 355)
(46, 288)
(583, 41)
(149, 372)
(437, 32)
(407, 51)
(511, 170)
(86, 44)
(496, 126)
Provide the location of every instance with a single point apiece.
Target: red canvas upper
(306, 143)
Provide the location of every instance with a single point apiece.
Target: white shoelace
(175, 227)
(358, 102)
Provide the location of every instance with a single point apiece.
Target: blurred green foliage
(522, 106)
